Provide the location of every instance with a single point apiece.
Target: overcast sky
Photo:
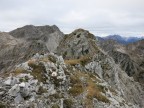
(101, 17)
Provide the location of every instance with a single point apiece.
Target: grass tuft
(83, 61)
(38, 71)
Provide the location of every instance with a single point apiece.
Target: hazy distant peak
(122, 39)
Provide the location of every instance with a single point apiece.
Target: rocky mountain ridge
(79, 75)
(26, 42)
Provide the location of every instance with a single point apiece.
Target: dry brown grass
(38, 71)
(94, 91)
(77, 86)
(19, 71)
(76, 89)
(83, 60)
(45, 59)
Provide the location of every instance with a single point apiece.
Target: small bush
(2, 105)
(55, 106)
(52, 58)
(67, 103)
(56, 96)
(25, 79)
(101, 88)
(38, 71)
(94, 91)
(76, 90)
(21, 80)
(77, 85)
(74, 79)
(32, 64)
(41, 90)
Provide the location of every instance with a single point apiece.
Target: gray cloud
(101, 17)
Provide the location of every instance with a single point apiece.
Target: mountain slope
(79, 74)
(50, 35)
(21, 44)
(46, 82)
(129, 57)
(136, 51)
(96, 61)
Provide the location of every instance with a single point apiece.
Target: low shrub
(2, 105)
(38, 71)
(55, 106)
(52, 58)
(76, 89)
(94, 91)
(41, 90)
(67, 103)
(83, 61)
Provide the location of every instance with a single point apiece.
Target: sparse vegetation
(77, 86)
(68, 103)
(94, 91)
(106, 66)
(45, 59)
(21, 80)
(52, 58)
(76, 89)
(38, 71)
(25, 79)
(41, 90)
(19, 71)
(2, 105)
(56, 96)
(94, 76)
(55, 106)
(83, 60)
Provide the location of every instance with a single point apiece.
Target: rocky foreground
(73, 72)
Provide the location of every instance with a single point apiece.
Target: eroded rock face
(117, 78)
(50, 35)
(78, 43)
(130, 57)
(21, 44)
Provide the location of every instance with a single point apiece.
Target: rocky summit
(40, 67)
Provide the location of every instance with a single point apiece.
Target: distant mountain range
(121, 39)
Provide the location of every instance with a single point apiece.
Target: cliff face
(49, 35)
(78, 43)
(130, 57)
(79, 74)
(21, 44)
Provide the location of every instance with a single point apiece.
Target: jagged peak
(27, 27)
(31, 31)
(82, 32)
